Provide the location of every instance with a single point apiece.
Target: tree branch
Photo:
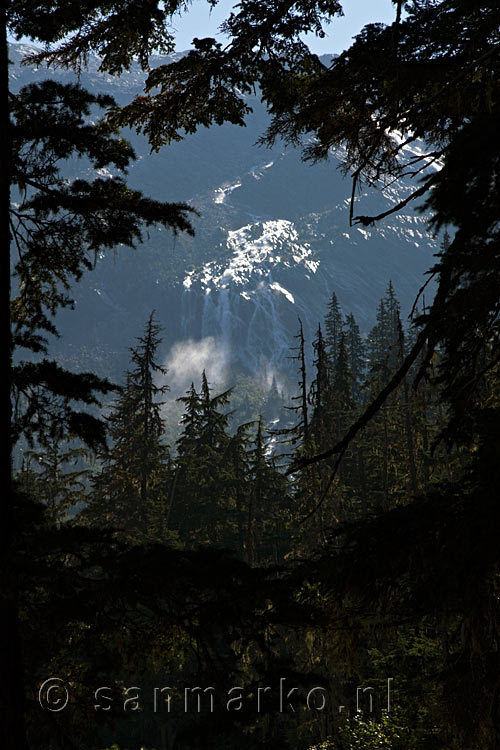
(367, 220)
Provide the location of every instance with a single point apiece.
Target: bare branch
(366, 220)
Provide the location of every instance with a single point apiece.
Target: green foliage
(200, 497)
(111, 616)
(131, 489)
(117, 34)
(57, 228)
(56, 478)
(360, 733)
(249, 399)
(356, 351)
(383, 340)
(334, 325)
(433, 550)
(265, 47)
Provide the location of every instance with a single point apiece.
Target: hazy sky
(200, 22)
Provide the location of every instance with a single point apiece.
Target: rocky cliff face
(272, 243)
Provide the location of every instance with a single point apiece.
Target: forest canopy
(424, 559)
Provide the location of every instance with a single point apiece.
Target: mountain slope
(272, 243)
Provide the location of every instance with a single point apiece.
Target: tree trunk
(12, 732)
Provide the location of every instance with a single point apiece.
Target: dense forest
(326, 581)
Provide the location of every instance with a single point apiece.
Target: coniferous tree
(320, 395)
(400, 77)
(58, 226)
(299, 433)
(357, 356)
(56, 478)
(54, 227)
(407, 406)
(311, 485)
(273, 403)
(131, 490)
(334, 326)
(201, 507)
(214, 423)
(256, 502)
(378, 339)
(150, 423)
(343, 411)
(383, 435)
(237, 459)
(342, 387)
(383, 339)
(268, 504)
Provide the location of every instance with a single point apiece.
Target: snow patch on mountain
(221, 193)
(254, 250)
(278, 288)
(257, 172)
